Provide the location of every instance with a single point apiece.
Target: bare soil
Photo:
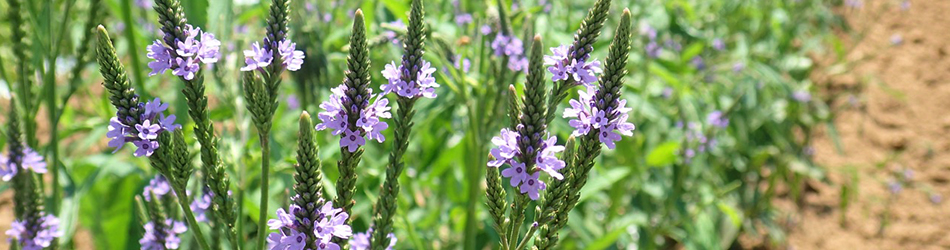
(892, 120)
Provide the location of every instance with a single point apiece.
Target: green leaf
(196, 11)
(663, 155)
(731, 212)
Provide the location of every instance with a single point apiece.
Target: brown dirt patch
(893, 115)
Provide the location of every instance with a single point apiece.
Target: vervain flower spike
(414, 80)
(146, 126)
(269, 60)
(571, 65)
(32, 228)
(526, 152)
(194, 50)
(354, 113)
(310, 222)
(21, 49)
(600, 118)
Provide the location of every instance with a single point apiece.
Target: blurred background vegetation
(683, 179)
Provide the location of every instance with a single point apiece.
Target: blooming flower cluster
(29, 160)
(368, 124)
(361, 241)
(507, 151)
(328, 222)
(145, 134)
(717, 119)
(162, 239)
(391, 35)
(201, 204)
(185, 58)
(423, 86)
(38, 236)
(609, 124)
(158, 187)
(258, 57)
(512, 47)
(696, 140)
(565, 66)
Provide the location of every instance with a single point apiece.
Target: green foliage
(644, 190)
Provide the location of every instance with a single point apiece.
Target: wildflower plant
(155, 135)
(32, 228)
(350, 114)
(599, 116)
(414, 81)
(182, 43)
(262, 79)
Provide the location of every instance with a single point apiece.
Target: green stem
(265, 177)
(190, 217)
(517, 214)
(527, 236)
(133, 46)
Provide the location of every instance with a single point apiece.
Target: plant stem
(190, 217)
(133, 46)
(517, 215)
(527, 237)
(265, 177)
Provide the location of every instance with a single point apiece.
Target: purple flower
(145, 4)
(462, 63)
(7, 170)
(201, 204)
(294, 240)
(292, 59)
(896, 39)
(667, 93)
(143, 135)
(698, 63)
(485, 29)
(145, 148)
(506, 147)
(423, 86)
(334, 115)
(905, 5)
(532, 185)
(895, 187)
(187, 68)
(33, 161)
(717, 119)
(718, 44)
(368, 123)
(184, 61)
(284, 219)
(117, 134)
(35, 237)
(653, 49)
(512, 47)
(936, 198)
(161, 56)
(801, 96)
(463, 19)
(151, 239)
(854, 4)
(257, 57)
(609, 124)
(516, 172)
(352, 140)
(158, 187)
(737, 67)
(547, 161)
(563, 66)
(147, 130)
(332, 224)
(361, 241)
(328, 222)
